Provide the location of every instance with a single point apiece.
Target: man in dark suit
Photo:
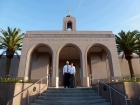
(66, 74)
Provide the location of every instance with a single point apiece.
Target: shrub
(127, 79)
(13, 80)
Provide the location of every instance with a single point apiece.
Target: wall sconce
(117, 80)
(112, 80)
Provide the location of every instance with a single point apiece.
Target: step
(68, 95)
(70, 98)
(69, 91)
(72, 93)
(102, 103)
(65, 102)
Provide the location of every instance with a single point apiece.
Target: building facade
(92, 52)
(46, 52)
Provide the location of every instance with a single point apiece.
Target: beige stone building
(92, 52)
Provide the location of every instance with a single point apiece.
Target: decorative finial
(69, 12)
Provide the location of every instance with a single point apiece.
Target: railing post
(131, 102)
(110, 96)
(13, 102)
(90, 80)
(48, 80)
(28, 96)
(40, 86)
(98, 87)
(125, 100)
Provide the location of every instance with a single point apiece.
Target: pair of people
(69, 75)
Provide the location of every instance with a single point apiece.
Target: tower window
(69, 25)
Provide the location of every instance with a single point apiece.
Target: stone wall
(129, 89)
(8, 90)
(125, 68)
(13, 68)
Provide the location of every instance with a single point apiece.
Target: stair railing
(91, 76)
(40, 82)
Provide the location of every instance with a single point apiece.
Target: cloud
(134, 18)
(79, 5)
(132, 22)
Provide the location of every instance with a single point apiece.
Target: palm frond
(12, 39)
(2, 46)
(9, 31)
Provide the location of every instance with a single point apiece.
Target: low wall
(130, 89)
(9, 90)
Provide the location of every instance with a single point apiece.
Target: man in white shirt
(66, 74)
(72, 76)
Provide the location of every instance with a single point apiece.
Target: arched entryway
(71, 53)
(39, 62)
(99, 62)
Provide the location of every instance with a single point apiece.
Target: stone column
(85, 78)
(55, 78)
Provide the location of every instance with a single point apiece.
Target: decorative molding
(64, 39)
(69, 35)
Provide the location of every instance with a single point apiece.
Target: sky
(93, 15)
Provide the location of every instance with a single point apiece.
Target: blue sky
(96, 15)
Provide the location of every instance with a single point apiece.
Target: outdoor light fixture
(21, 80)
(116, 80)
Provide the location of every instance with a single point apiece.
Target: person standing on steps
(66, 74)
(72, 76)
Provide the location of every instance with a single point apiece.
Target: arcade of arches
(41, 61)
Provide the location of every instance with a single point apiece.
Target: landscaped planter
(8, 90)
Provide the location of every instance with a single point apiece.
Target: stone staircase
(70, 96)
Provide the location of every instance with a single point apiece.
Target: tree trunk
(131, 68)
(7, 68)
(9, 55)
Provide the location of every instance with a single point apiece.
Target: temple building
(92, 52)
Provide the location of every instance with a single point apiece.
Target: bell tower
(69, 23)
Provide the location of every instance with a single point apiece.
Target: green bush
(127, 79)
(13, 80)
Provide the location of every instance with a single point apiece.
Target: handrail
(110, 90)
(113, 89)
(48, 82)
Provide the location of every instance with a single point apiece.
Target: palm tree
(126, 45)
(10, 42)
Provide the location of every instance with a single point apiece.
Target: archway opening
(98, 63)
(40, 62)
(73, 55)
